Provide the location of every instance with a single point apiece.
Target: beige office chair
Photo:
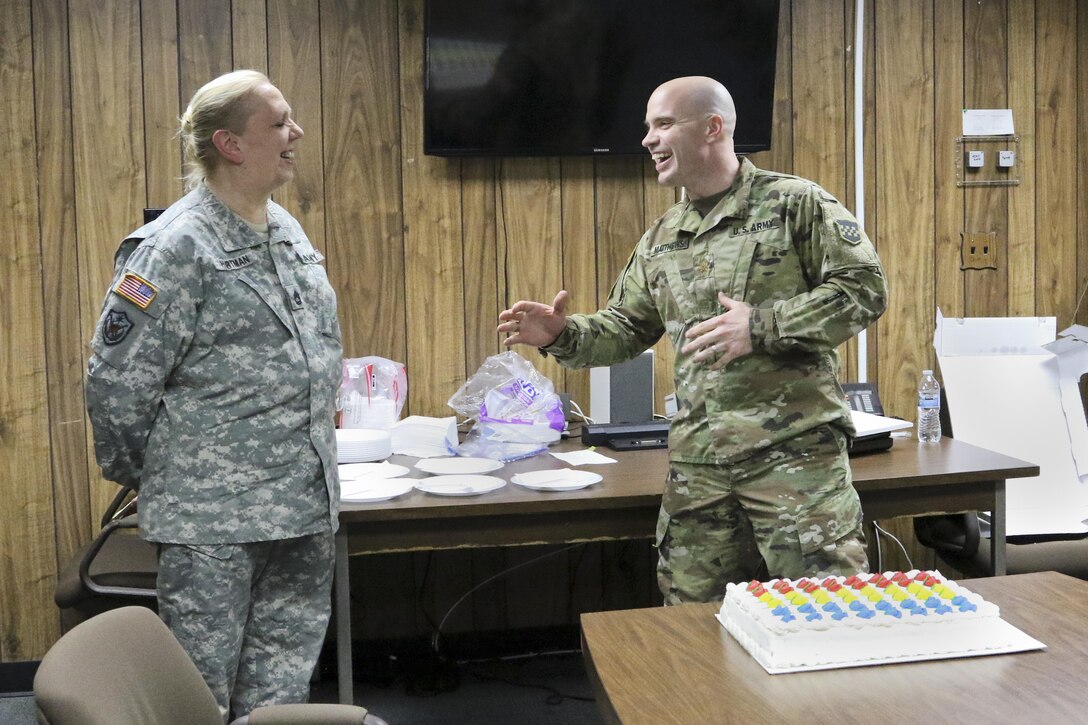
(124, 667)
(116, 569)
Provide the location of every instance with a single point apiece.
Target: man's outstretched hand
(534, 323)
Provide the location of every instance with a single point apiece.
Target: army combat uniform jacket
(212, 383)
(784, 246)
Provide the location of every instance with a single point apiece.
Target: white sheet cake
(793, 625)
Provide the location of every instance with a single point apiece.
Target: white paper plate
(462, 485)
(385, 469)
(561, 479)
(458, 465)
(375, 489)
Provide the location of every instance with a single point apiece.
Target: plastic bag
(372, 392)
(516, 409)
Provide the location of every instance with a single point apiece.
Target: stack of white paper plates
(358, 445)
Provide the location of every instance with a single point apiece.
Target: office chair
(124, 667)
(116, 569)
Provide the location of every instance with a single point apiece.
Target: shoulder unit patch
(848, 230)
(115, 326)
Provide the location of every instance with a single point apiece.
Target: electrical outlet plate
(979, 250)
(991, 173)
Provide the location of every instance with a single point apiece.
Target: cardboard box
(1012, 388)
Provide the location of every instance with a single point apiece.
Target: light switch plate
(979, 250)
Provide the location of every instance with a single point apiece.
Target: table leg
(997, 531)
(344, 674)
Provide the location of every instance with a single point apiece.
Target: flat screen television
(572, 77)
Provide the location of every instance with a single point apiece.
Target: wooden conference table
(909, 479)
(680, 665)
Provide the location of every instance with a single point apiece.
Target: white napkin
(582, 457)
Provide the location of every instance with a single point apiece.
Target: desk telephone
(863, 397)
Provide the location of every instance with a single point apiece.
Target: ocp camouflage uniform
(758, 448)
(211, 389)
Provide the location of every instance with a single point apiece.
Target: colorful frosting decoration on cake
(863, 597)
(816, 623)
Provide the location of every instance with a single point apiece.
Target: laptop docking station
(627, 436)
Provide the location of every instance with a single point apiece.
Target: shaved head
(702, 96)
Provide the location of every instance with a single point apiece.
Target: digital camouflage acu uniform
(767, 433)
(211, 388)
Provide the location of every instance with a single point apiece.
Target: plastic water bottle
(929, 408)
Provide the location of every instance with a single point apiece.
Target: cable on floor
(554, 697)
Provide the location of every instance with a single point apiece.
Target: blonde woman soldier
(211, 390)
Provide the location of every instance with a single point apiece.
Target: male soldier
(212, 389)
(756, 278)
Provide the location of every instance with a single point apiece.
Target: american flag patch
(136, 290)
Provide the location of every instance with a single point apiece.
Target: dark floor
(527, 689)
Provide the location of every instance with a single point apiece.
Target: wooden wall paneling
(204, 43)
(656, 200)
(109, 162)
(294, 65)
(64, 345)
(27, 617)
(363, 205)
(484, 296)
(1020, 255)
(583, 575)
(94, 174)
(986, 207)
(948, 201)
(621, 222)
(848, 351)
(820, 35)
(531, 233)
(434, 272)
(871, 161)
(1056, 157)
(780, 156)
(249, 34)
(620, 215)
(579, 279)
(162, 103)
(1082, 162)
(820, 120)
(904, 107)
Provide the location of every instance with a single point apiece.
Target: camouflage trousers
(251, 616)
(787, 511)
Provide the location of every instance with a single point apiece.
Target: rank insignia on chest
(136, 290)
(849, 231)
(115, 326)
